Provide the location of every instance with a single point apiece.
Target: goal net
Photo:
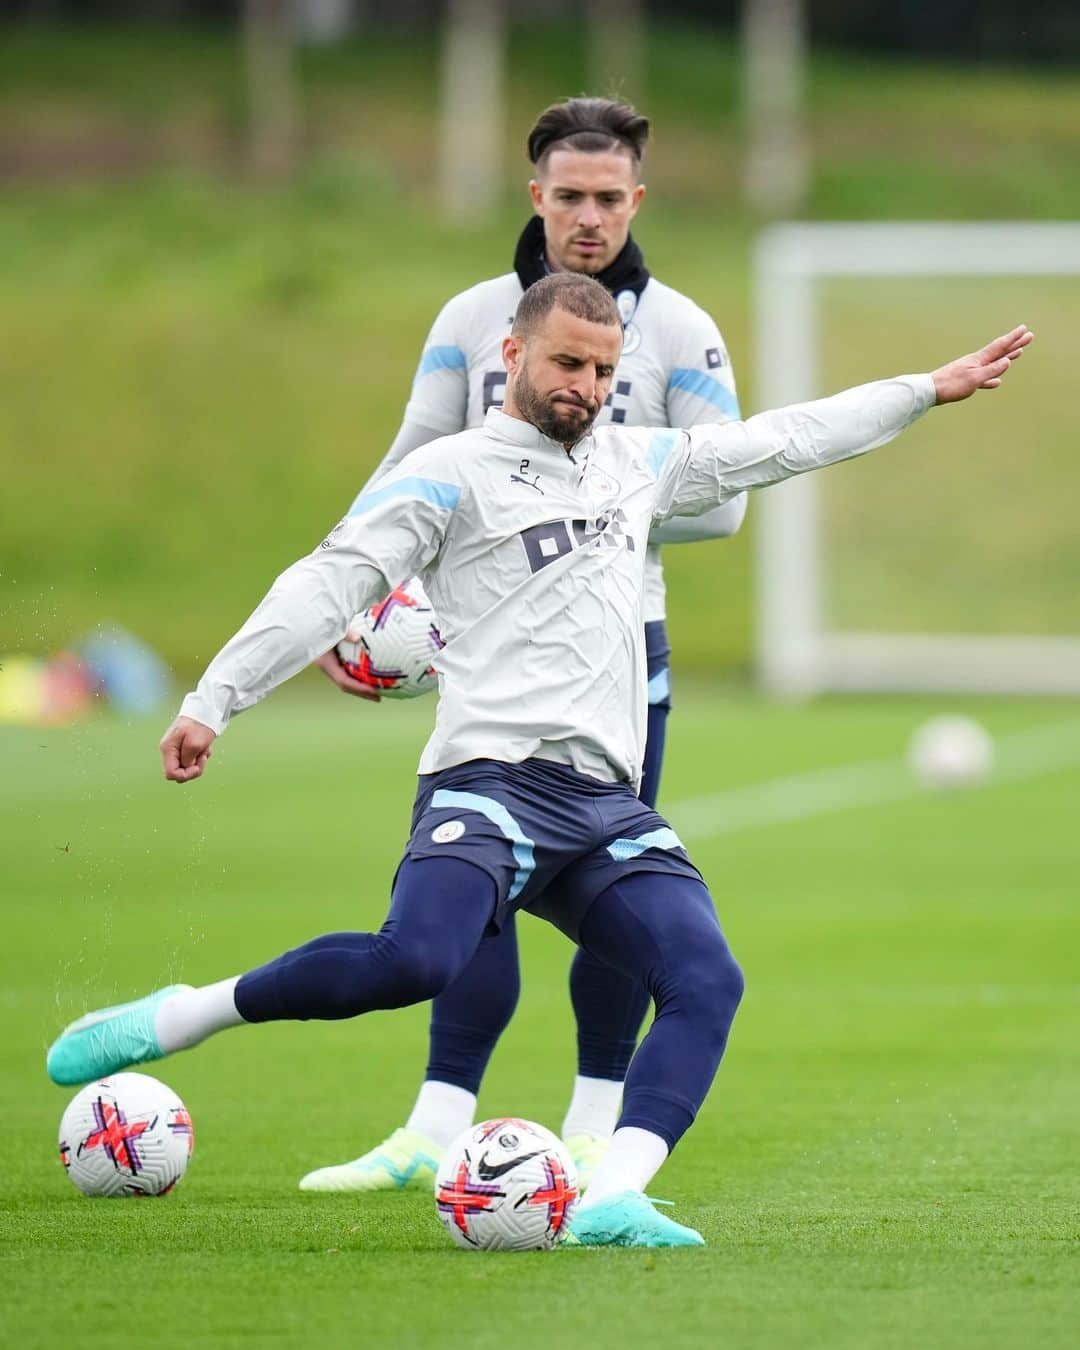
(951, 559)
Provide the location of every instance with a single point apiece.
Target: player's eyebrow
(567, 191)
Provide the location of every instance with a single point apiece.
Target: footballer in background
(674, 371)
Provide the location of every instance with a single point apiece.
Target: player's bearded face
(563, 415)
(565, 375)
(587, 202)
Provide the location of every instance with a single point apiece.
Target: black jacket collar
(627, 273)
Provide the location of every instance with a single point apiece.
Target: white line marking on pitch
(1021, 755)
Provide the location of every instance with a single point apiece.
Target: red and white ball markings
(126, 1135)
(391, 645)
(506, 1185)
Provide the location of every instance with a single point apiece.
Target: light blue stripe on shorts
(622, 850)
(500, 816)
(660, 686)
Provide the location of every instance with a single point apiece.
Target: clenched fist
(185, 748)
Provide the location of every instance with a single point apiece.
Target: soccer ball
(391, 645)
(506, 1185)
(951, 752)
(126, 1135)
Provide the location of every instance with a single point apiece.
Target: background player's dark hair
(573, 291)
(590, 124)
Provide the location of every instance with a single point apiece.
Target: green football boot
(587, 1151)
(408, 1160)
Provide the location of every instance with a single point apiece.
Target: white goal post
(795, 654)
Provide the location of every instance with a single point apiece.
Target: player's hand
(982, 369)
(185, 748)
(332, 668)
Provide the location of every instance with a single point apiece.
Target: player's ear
(636, 198)
(513, 349)
(536, 192)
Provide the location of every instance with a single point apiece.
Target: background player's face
(586, 202)
(559, 377)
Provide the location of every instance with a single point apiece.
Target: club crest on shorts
(447, 832)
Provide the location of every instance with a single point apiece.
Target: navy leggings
(660, 931)
(468, 1018)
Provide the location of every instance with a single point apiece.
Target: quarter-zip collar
(521, 433)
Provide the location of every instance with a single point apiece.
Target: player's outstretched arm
(185, 748)
(715, 462)
(983, 369)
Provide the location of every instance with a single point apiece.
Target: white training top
(534, 560)
(674, 372)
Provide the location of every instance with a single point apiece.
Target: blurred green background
(200, 369)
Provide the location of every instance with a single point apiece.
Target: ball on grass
(951, 752)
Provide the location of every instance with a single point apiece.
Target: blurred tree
(471, 107)
(617, 37)
(773, 68)
(272, 97)
(326, 20)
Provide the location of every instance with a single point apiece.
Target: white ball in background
(951, 752)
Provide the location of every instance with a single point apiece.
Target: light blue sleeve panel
(700, 378)
(398, 525)
(440, 389)
(444, 496)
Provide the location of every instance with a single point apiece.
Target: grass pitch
(887, 1157)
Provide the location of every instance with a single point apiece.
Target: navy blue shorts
(551, 839)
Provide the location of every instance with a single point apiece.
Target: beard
(564, 427)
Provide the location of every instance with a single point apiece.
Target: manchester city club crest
(627, 302)
(602, 483)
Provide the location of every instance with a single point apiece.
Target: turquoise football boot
(407, 1161)
(628, 1220)
(108, 1040)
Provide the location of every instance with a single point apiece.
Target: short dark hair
(575, 292)
(589, 124)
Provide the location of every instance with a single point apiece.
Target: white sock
(190, 1015)
(633, 1158)
(442, 1112)
(594, 1108)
